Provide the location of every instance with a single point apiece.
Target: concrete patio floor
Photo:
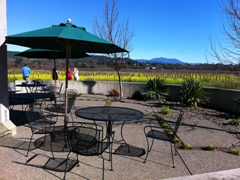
(158, 166)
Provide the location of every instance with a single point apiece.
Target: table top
(103, 113)
(31, 96)
(13, 91)
(31, 85)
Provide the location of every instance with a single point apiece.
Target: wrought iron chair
(59, 106)
(43, 124)
(154, 132)
(87, 139)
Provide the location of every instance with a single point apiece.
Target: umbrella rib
(59, 42)
(45, 40)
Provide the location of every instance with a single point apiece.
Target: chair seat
(86, 139)
(88, 145)
(46, 121)
(46, 127)
(57, 109)
(159, 135)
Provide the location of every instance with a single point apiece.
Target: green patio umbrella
(67, 38)
(49, 54)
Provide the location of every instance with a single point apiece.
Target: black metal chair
(41, 124)
(59, 106)
(87, 139)
(157, 132)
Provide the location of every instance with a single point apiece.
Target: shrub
(158, 116)
(137, 95)
(168, 131)
(235, 152)
(192, 92)
(177, 140)
(161, 121)
(156, 90)
(237, 102)
(234, 122)
(108, 103)
(187, 146)
(166, 110)
(165, 125)
(145, 114)
(114, 92)
(209, 148)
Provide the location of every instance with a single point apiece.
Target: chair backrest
(33, 115)
(50, 87)
(72, 96)
(177, 124)
(59, 88)
(84, 139)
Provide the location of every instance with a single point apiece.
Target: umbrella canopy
(49, 54)
(65, 37)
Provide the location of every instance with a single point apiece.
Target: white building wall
(3, 55)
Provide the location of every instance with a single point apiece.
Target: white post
(5, 124)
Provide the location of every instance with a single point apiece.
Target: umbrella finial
(69, 20)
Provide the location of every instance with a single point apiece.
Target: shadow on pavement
(18, 117)
(129, 150)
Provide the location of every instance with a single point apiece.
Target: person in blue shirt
(26, 72)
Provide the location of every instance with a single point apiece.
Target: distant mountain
(162, 60)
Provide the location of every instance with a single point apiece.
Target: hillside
(102, 62)
(161, 60)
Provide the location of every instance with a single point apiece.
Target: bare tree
(119, 33)
(230, 54)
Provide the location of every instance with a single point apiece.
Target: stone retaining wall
(218, 98)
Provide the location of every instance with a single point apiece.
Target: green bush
(237, 102)
(158, 116)
(168, 131)
(166, 110)
(234, 122)
(235, 152)
(155, 90)
(187, 147)
(192, 92)
(108, 103)
(145, 114)
(177, 140)
(209, 148)
(165, 125)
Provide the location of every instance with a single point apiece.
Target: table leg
(109, 127)
(123, 137)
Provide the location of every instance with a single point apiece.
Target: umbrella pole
(66, 80)
(55, 79)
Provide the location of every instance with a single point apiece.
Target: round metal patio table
(28, 98)
(31, 86)
(110, 115)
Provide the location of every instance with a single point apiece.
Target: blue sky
(163, 28)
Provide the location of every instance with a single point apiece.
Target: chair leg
(29, 145)
(151, 145)
(77, 161)
(172, 155)
(175, 149)
(148, 150)
(111, 157)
